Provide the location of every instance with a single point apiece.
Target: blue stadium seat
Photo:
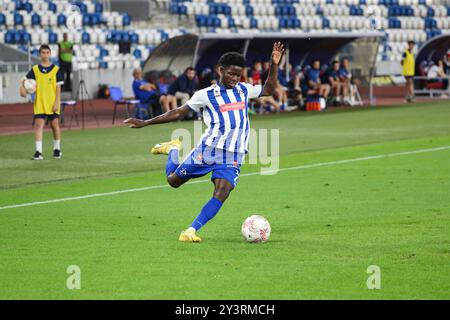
(2, 19)
(52, 37)
(85, 37)
(98, 7)
(249, 11)
(126, 20)
(18, 19)
(52, 7)
(430, 23)
(28, 7)
(137, 53)
(134, 38)
(61, 19)
(35, 19)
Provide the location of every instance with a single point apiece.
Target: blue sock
(172, 161)
(208, 212)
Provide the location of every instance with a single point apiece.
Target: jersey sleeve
(59, 77)
(30, 75)
(254, 91)
(197, 101)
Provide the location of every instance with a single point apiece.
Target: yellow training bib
(45, 90)
(408, 64)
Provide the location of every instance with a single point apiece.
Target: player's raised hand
(134, 123)
(277, 52)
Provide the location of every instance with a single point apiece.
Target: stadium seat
(117, 97)
(65, 104)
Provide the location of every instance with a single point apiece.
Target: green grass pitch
(329, 222)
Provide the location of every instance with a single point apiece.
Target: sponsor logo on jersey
(232, 106)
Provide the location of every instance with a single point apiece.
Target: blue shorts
(199, 163)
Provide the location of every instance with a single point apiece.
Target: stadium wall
(93, 78)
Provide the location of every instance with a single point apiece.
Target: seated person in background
(295, 90)
(348, 82)
(146, 92)
(265, 71)
(338, 87)
(324, 73)
(284, 78)
(254, 75)
(447, 63)
(313, 80)
(267, 103)
(166, 78)
(184, 86)
(209, 77)
(435, 76)
(143, 91)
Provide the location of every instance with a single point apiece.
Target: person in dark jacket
(184, 86)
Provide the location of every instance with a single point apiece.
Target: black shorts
(408, 77)
(46, 116)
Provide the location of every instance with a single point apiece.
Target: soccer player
(408, 70)
(223, 145)
(46, 101)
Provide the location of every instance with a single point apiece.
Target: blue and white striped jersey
(225, 113)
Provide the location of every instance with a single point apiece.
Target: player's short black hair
(189, 69)
(411, 42)
(44, 47)
(232, 59)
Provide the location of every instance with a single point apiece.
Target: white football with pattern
(256, 228)
(30, 85)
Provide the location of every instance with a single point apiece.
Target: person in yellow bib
(408, 70)
(65, 55)
(46, 100)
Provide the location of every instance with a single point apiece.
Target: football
(256, 229)
(30, 85)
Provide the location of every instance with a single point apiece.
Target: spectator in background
(446, 63)
(146, 92)
(184, 86)
(295, 91)
(209, 77)
(259, 70)
(349, 83)
(65, 54)
(254, 76)
(436, 76)
(313, 80)
(284, 79)
(265, 71)
(339, 86)
(408, 66)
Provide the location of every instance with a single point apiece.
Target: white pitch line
(307, 166)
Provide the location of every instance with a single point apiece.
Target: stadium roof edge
(290, 35)
(203, 50)
(434, 49)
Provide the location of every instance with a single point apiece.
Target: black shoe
(37, 156)
(57, 154)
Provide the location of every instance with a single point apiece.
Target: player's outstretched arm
(272, 77)
(172, 115)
